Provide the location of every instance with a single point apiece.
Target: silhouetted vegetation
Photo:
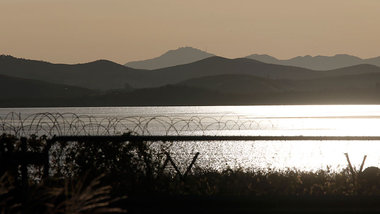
(104, 177)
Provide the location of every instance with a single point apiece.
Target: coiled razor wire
(60, 124)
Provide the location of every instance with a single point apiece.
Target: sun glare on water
(339, 120)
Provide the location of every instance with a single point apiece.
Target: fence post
(191, 164)
(173, 164)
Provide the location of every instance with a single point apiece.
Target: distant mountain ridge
(179, 56)
(105, 75)
(210, 81)
(214, 66)
(319, 63)
(186, 55)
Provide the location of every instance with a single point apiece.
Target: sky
(76, 31)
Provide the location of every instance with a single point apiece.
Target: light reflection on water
(280, 155)
(325, 120)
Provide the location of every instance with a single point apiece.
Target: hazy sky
(72, 31)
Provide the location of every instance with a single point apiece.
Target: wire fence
(71, 124)
(183, 137)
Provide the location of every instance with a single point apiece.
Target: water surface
(332, 120)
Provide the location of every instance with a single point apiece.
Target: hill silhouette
(99, 75)
(214, 66)
(246, 84)
(105, 75)
(186, 95)
(318, 62)
(215, 90)
(179, 56)
(186, 55)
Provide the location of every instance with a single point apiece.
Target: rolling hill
(98, 75)
(214, 66)
(105, 75)
(212, 90)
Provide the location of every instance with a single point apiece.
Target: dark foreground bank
(114, 177)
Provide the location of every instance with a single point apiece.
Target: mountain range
(214, 66)
(103, 75)
(188, 55)
(210, 81)
(318, 62)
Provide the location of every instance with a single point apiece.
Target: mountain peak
(100, 62)
(263, 58)
(179, 56)
(185, 50)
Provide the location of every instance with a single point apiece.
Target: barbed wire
(58, 124)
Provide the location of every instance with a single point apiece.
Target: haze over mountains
(318, 62)
(188, 55)
(209, 81)
(214, 66)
